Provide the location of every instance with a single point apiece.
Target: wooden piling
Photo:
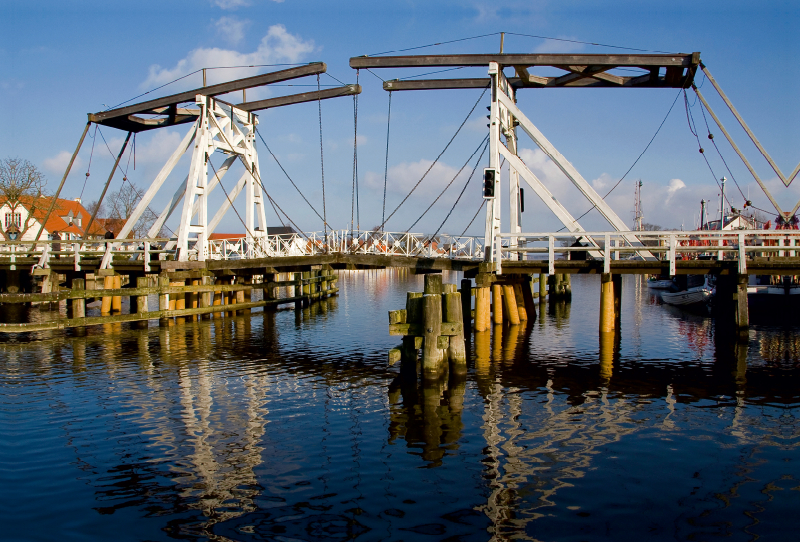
(510, 305)
(519, 298)
(105, 304)
(497, 304)
(542, 286)
(432, 355)
(466, 304)
(607, 319)
(163, 299)
(457, 351)
(411, 345)
(482, 309)
(78, 305)
(116, 301)
(527, 298)
(141, 301)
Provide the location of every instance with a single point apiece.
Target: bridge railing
(738, 245)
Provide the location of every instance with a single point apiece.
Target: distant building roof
(220, 236)
(280, 230)
(68, 216)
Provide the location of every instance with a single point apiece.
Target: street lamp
(12, 233)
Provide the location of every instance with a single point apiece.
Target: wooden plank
(437, 84)
(347, 90)
(432, 61)
(214, 90)
(417, 330)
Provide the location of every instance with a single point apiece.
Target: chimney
(78, 200)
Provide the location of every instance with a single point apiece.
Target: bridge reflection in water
(290, 424)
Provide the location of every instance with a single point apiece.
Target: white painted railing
(664, 245)
(605, 246)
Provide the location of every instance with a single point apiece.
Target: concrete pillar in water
(510, 304)
(497, 304)
(607, 319)
(78, 305)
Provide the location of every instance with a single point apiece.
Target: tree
(646, 226)
(21, 193)
(123, 202)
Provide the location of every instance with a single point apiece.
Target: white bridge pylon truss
(219, 127)
(504, 118)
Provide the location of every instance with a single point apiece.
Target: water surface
(291, 426)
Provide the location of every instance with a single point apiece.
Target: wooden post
(542, 286)
(482, 308)
(206, 298)
(510, 305)
(607, 319)
(433, 284)
(105, 304)
(617, 280)
(741, 308)
(411, 345)
(432, 355)
(567, 285)
(79, 305)
(163, 299)
(218, 296)
(520, 299)
(497, 304)
(194, 297)
(141, 300)
(298, 291)
(116, 301)
(466, 304)
(180, 299)
(306, 289)
(527, 298)
(457, 351)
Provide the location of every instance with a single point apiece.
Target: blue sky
(62, 60)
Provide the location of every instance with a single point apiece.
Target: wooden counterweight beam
(430, 61)
(347, 90)
(582, 70)
(125, 117)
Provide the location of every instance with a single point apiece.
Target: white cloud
(57, 165)
(231, 29)
(230, 4)
(277, 46)
(555, 46)
(673, 186)
(402, 178)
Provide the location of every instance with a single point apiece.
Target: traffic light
(489, 176)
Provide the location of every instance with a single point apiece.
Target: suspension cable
(635, 161)
(89, 166)
(322, 162)
(437, 158)
(471, 175)
(386, 165)
(482, 143)
(287, 175)
(473, 218)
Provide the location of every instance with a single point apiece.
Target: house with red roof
(69, 218)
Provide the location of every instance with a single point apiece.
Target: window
(12, 218)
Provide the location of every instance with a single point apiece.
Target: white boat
(658, 283)
(692, 296)
(696, 291)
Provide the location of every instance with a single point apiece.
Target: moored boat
(688, 290)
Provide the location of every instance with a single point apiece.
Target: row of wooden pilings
(437, 320)
(181, 295)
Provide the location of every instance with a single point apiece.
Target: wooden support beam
(527, 60)
(119, 117)
(347, 90)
